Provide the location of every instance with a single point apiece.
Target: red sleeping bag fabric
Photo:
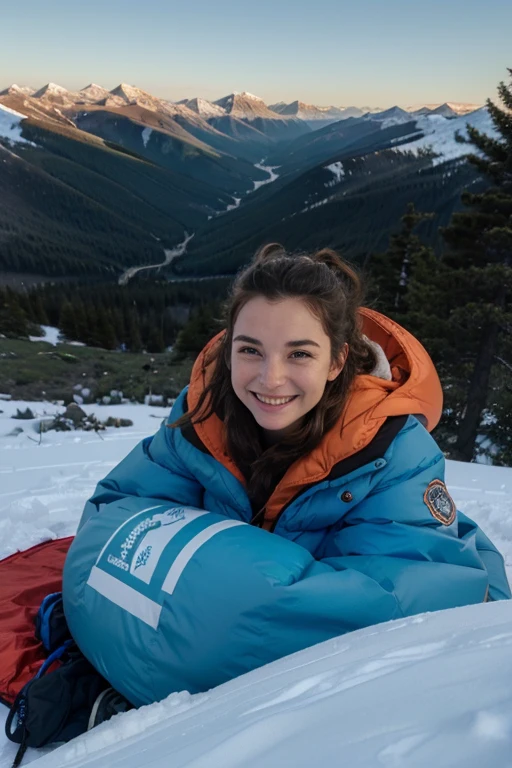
(25, 579)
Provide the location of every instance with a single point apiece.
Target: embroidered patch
(439, 502)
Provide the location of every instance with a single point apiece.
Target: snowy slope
(10, 125)
(429, 690)
(439, 134)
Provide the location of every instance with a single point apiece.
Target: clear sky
(362, 52)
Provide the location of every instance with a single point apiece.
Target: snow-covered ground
(430, 690)
(10, 124)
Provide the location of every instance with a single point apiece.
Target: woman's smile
(273, 403)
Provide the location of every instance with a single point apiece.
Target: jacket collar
(414, 388)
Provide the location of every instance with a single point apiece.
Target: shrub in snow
(113, 422)
(26, 414)
(74, 418)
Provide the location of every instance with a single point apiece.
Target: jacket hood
(413, 389)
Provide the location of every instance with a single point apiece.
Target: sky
(369, 53)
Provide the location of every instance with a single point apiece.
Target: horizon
(371, 55)
(383, 107)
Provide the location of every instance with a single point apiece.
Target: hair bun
(269, 251)
(343, 271)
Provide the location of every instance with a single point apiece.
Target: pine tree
(134, 342)
(479, 270)
(105, 330)
(391, 271)
(67, 321)
(13, 320)
(202, 325)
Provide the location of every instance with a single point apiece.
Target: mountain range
(95, 181)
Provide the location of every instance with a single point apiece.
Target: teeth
(274, 400)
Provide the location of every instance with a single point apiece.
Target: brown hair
(333, 291)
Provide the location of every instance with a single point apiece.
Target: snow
(429, 690)
(146, 133)
(51, 335)
(235, 204)
(10, 125)
(337, 169)
(270, 169)
(439, 135)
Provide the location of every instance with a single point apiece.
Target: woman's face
(280, 362)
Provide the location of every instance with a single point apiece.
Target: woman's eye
(248, 351)
(302, 355)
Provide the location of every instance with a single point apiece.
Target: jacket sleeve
(393, 551)
(152, 470)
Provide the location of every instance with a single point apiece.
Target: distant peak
(50, 88)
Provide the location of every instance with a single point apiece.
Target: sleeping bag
(177, 598)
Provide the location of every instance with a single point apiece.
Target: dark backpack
(56, 705)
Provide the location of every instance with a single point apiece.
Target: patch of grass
(38, 370)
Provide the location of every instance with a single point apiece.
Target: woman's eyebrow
(299, 343)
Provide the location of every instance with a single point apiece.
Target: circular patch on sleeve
(439, 502)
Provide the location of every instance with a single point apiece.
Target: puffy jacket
(166, 568)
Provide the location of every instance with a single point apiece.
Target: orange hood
(414, 389)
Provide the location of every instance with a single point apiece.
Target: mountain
(458, 108)
(72, 203)
(252, 110)
(394, 114)
(246, 106)
(310, 111)
(17, 90)
(94, 181)
(55, 95)
(92, 94)
(345, 186)
(203, 107)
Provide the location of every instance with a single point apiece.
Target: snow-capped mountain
(93, 93)
(51, 93)
(246, 106)
(203, 107)
(446, 109)
(128, 95)
(395, 114)
(17, 90)
(308, 111)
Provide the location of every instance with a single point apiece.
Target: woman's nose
(271, 374)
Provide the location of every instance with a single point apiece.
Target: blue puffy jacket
(167, 586)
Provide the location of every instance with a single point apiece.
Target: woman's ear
(337, 367)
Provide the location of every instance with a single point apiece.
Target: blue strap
(43, 616)
(58, 652)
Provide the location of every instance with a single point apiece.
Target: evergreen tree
(134, 342)
(80, 321)
(67, 321)
(479, 271)
(202, 325)
(391, 271)
(105, 330)
(13, 320)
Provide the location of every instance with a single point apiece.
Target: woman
(309, 418)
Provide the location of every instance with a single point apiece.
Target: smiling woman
(282, 376)
(294, 494)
